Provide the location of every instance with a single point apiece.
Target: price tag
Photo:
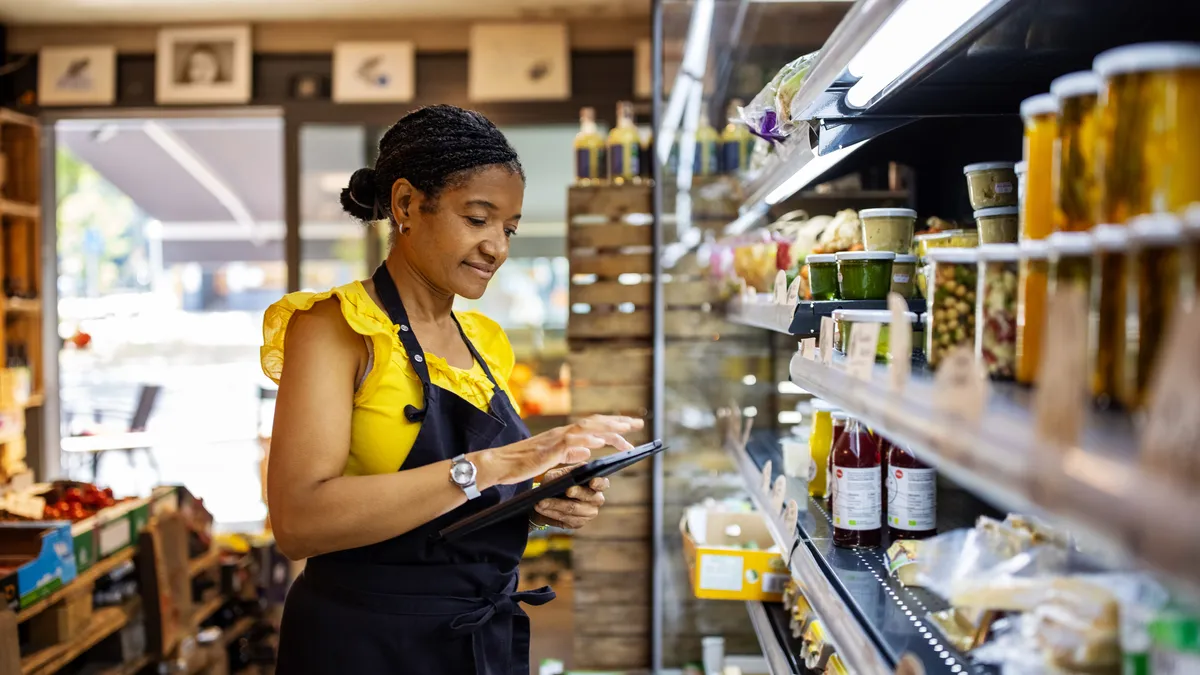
(766, 478)
(1062, 382)
(791, 514)
(25, 505)
(1171, 434)
(899, 343)
(778, 493)
(860, 354)
(793, 294)
(808, 348)
(826, 341)
(961, 385)
(781, 287)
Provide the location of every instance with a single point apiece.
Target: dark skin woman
(393, 420)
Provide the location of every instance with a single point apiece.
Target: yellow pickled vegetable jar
(1148, 131)
(1074, 178)
(1192, 225)
(1106, 314)
(1032, 279)
(1040, 114)
(819, 443)
(1153, 293)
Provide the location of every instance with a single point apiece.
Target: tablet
(522, 504)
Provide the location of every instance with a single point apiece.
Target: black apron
(413, 605)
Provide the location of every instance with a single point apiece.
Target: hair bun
(358, 198)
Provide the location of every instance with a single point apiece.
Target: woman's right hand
(532, 457)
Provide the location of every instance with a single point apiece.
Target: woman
(393, 420)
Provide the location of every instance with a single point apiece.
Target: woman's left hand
(575, 509)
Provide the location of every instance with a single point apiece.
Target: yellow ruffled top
(380, 435)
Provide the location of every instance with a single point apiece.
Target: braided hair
(434, 148)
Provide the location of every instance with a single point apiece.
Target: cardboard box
(719, 565)
(61, 622)
(44, 555)
(110, 531)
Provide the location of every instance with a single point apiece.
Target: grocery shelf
(872, 619)
(104, 622)
(1097, 489)
(81, 584)
(770, 623)
(803, 319)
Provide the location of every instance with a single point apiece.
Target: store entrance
(170, 237)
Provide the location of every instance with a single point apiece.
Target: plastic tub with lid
(888, 229)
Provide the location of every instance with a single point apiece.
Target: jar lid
(887, 213)
(999, 252)
(1109, 237)
(1042, 104)
(865, 255)
(905, 258)
(1147, 56)
(987, 166)
(944, 234)
(1070, 244)
(1021, 167)
(953, 255)
(996, 211)
(821, 405)
(820, 258)
(1082, 83)
(840, 415)
(924, 317)
(1156, 228)
(836, 314)
(1034, 249)
(872, 316)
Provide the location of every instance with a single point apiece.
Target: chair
(98, 441)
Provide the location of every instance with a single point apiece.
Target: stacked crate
(609, 336)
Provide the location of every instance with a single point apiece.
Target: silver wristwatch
(462, 474)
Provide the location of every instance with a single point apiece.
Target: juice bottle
(707, 140)
(820, 442)
(912, 496)
(589, 150)
(736, 141)
(857, 504)
(624, 147)
(839, 420)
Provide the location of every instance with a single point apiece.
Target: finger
(610, 423)
(566, 509)
(617, 441)
(587, 495)
(599, 484)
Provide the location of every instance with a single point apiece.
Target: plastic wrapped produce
(767, 114)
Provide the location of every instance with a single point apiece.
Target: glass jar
(857, 504)
(846, 319)
(911, 495)
(822, 276)
(888, 229)
(1032, 278)
(864, 275)
(1106, 314)
(1040, 114)
(1192, 231)
(1070, 261)
(841, 331)
(924, 243)
(1022, 170)
(952, 301)
(1152, 296)
(991, 184)
(996, 311)
(1148, 135)
(1074, 177)
(999, 225)
(904, 275)
(820, 443)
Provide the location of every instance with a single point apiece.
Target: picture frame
(519, 62)
(83, 75)
(374, 72)
(203, 65)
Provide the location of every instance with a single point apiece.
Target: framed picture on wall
(373, 72)
(519, 62)
(77, 75)
(203, 65)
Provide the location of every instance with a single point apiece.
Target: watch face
(463, 473)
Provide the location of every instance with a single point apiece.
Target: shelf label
(899, 343)
(808, 348)
(1172, 430)
(791, 515)
(961, 385)
(860, 354)
(778, 493)
(826, 341)
(25, 505)
(766, 479)
(781, 287)
(1061, 395)
(793, 294)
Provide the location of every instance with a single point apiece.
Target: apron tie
(491, 641)
(469, 622)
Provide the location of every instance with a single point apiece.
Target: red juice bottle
(857, 504)
(839, 427)
(912, 496)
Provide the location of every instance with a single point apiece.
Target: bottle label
(616, 158)
(731, 156)
(705, 163)
(635, 160)
(857, 502)
(585, 163)
(912, 499)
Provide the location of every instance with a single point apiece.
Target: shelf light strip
(809, 172)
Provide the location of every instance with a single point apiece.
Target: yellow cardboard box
(719, 565)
